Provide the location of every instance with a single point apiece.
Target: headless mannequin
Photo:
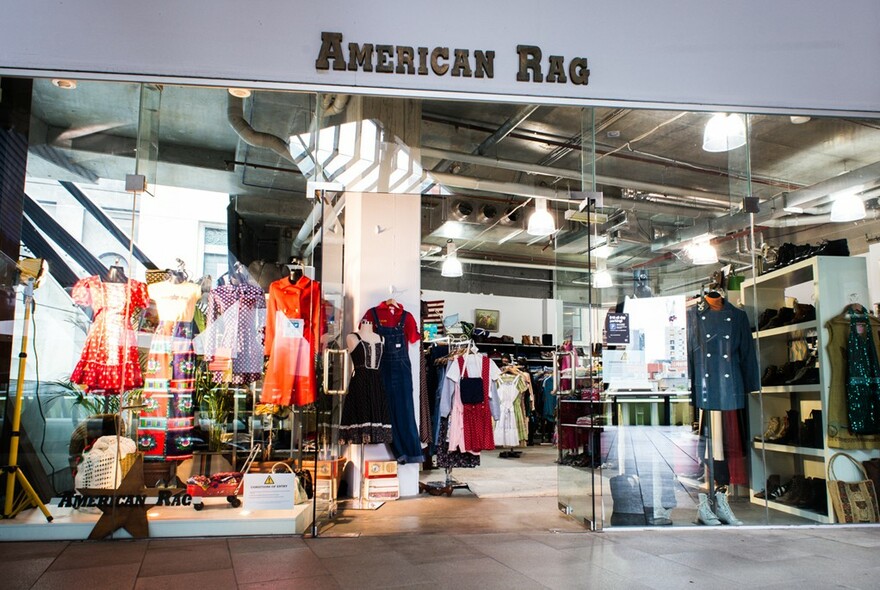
(116, 274)
(714, 300)
(365, 332)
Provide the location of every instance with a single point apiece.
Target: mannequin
(365, 332)
(116, 274)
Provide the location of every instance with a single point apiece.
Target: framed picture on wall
(486, 319)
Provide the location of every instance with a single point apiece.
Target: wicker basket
(102, 468)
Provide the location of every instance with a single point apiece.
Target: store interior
(555, 263)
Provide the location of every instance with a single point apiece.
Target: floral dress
(109, 363)
(166, 424)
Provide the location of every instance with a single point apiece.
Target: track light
(452, 265)
(724, 133)
(541, 222)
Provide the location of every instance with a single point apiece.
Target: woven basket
(104, 470)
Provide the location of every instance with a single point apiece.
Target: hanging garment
(452, 458)
(721, 357)
(365, 415)
(294, 324)
(424, 402)
(476, 418)
(508, 427)
(234, 334)
(165, 425)
(862, 377)
(838, 433)
(396, 370)
(109, 361)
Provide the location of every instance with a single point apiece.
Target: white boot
(722, 509)
(704, 512)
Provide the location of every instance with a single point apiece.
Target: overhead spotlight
(240, 92)
(541, 222)
(848, 206)
(451, 265)
(724, 133)
(64, 83)
(703, 252)
(602, 279)
(799, 119)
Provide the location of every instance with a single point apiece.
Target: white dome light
(847, 207)
(724, 133)
(451, 265)
(541, 222)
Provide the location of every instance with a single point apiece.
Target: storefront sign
(409, 60)
(269, 491)
(165, 498)
(617, 328)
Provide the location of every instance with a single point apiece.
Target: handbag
(471, 390)
(853, 501)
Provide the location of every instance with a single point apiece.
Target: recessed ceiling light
(240, 92)
(64, 83)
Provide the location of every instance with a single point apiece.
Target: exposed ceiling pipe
(306, 230)
(333, 104)
(481, 262)
(526, 190)
(804, 220)
(720, 200)
(316, 239)
(772, 209)
(506, 129)
(235, 116)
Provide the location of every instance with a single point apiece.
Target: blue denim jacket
(722, 363)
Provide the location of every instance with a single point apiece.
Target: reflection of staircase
(47, 239)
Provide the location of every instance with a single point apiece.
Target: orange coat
(294, 323)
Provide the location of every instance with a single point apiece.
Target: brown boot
(527, 340)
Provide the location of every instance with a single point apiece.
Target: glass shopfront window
(673, 350)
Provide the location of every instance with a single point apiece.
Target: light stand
(13, 471)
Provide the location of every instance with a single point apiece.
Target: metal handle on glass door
(331, 356)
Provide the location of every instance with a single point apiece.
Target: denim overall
(396, 372)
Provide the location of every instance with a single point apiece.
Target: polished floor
(821, 557)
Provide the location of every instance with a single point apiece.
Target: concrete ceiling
(650, 163)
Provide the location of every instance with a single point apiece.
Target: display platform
(217, 519)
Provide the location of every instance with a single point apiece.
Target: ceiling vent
(488, 212)
(512, 216)
(461, 211)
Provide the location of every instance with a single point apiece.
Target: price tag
(293, 328)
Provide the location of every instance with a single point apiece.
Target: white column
(382, 239)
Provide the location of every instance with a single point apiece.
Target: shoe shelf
(789, 389)
(779, 448)
(828, 284)
(801, 327)
(794, 510)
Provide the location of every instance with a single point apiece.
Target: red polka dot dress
(109, 363)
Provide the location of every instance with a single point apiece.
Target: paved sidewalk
(822, 557)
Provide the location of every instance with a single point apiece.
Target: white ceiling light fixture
(848, 206)
(602, 279)
(799, 119)
(724, 132)
(703, 252)
(240, 92)
(541, 223)
(451, 265)
(64, 83)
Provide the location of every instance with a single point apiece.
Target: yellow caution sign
(269, 481)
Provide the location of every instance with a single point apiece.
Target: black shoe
(782, 318)
(765, 318)
(771, 376)
(803, 312)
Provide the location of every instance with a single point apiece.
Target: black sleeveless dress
(365, 415)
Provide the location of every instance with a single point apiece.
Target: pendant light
(451, 265)
(541, 222)
(724, 133)
(703, 253)
(848, 206)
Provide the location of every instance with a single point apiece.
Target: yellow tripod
(12, 506)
